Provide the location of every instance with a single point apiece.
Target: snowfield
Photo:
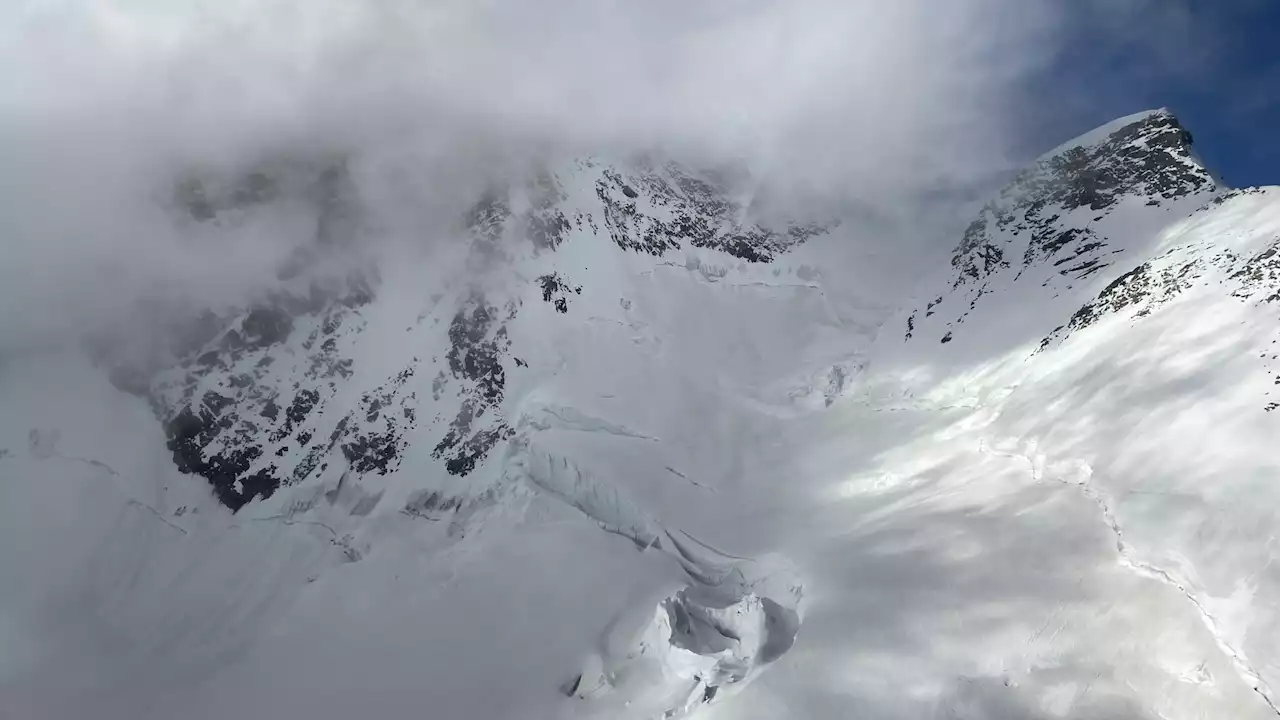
(621, 453)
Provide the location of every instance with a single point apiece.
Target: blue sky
(1215, 63)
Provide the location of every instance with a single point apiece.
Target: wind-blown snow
(692, 482)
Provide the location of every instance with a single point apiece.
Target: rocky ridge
(265, 397)
(1054, 225)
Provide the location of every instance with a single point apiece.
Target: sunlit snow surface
(728, 481)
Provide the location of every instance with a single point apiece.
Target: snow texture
(623, 452)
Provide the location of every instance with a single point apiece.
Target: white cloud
(102, 102)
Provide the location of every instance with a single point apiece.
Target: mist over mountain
(583, 359)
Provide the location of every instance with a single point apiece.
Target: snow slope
(621, 452)
(1144, 382)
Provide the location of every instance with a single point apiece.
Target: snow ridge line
(155, 512)
(94, 463)
(343, 542)
(286, 520)
(55, 455)
(688, 479)
(1128, 559)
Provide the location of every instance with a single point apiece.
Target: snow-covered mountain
(622, 447)
(569, 345)
(279, 394)
(1074, 214)
(1109, 319)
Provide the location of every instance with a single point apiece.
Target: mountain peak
(1071, 215)
(1103, 132)
(264, 396)
(1147, 154)
(1145, 157)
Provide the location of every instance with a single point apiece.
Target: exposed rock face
(237, 405)
(1149, 159)
(655, 209)
(556, 290)
(1053, 224)
(1112, 226)
(280, 392)
(478, 343)
(1250, 277)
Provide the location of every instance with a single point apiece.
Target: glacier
(622, 448)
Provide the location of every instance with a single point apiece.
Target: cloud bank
(885, 107)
